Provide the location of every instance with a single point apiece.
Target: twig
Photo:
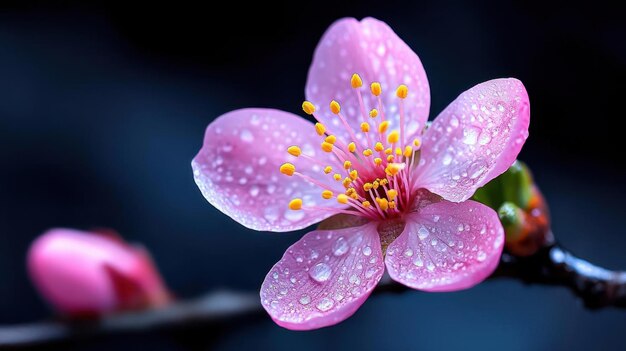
(551, 265)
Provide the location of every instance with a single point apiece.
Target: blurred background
(103, 106)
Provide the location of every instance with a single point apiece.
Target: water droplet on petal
(325, 304)
(367, 251)
(246, 136)
(470, 135)
(422, 233)
(320, 272)
(481, 256)
(341, 246)
(305, 299)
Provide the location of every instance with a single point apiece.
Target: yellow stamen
(352, 147)
(294, 151)
(350, 191)
(398, 151)
(375, 184)
(327, 194)
(365, 127)
(367, 186)
(392, 204)
(327, 147)
(335, 107)
(331, 139)
(308, 108)
(346, 182)
(295, 204)
(402, 91)
(354, 174)
(374, 113)
(287, 169)
(347, 164)
(384, 204)
(337, 176)
(367, 152)
(366, 204)
(375, 88)
(393, 168)
(393, 137)
(356, 81)
(417, 142)
(383, 127)
(379, 146)
(388, 151)
(392, 193)
(384, 181)
(342, 198)
(320, 129)
(378, 161)
(328, 169)
(408, 151)
(390, 158)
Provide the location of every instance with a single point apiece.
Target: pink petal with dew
(475, 139)
(77, 272)
(323, 278)
(237, 169)
(446, 247)
(371, 49)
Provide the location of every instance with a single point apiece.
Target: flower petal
(237, 169)
(447, 246)
(323, 278)
(371, 49)
(475, 139)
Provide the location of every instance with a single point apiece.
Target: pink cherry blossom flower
(85, 274)
(401, 188)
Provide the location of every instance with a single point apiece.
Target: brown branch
(551, 265)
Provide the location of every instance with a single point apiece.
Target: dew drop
(367, 251)
(418, 262)
(470, 135)
(320, 272)
(430, 266)
(447, 159)
(422, 233)
(354, 279)
(454, 122)
(305, 299)
(484, 139)
(246, 136)
(408, 252)
(370, 272)
(436, 218)
(254, 191)
(340, 247)
(481, 256)
(325, 304)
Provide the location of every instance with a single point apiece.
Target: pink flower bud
(89, 274)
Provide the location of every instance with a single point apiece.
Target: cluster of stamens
(372, 177)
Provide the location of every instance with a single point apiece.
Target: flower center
(372, 176)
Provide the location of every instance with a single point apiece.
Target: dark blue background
(103, 107)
